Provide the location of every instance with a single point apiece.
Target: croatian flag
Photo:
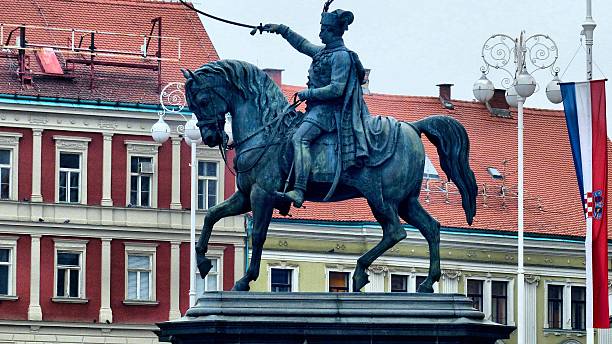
(585, 112)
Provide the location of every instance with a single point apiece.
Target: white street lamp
(483, 89)
(512, 96)
(542, 53)
(553, 90)
(172, 100)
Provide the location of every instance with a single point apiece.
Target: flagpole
(588, 27)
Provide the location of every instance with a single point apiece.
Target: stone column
(106, 313)
(449, 281)
(238, 262)
(531, 310)
(486, 295)
(377, 279)
(175, 202)
(34, 310)
(175, 311)
(567, 307)
(107, 156)
(36, 164)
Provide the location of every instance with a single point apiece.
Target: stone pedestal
(313, 318)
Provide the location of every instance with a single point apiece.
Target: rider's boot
(302, 171)
(296, 196)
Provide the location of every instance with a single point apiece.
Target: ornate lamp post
(172, 100)
(540, 52)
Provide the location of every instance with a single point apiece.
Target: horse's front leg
(263, 205)
(237, 204)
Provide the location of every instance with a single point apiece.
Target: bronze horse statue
(262, 123)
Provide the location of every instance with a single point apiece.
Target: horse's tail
(451, 140)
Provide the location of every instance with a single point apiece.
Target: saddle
(381, 136)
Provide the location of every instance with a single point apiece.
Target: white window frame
(205, 204)
(339, 269)
(212, 253)
(141, 249)
(10, 141)
(71, 246)
(567, 304)
(72, 145)
(208, 154)
(295, 274)
(10, 243)
(487, 300)
(412, 277)
(145, 149)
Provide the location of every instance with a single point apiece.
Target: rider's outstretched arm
(300, 43)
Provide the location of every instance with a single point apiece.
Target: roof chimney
(498, 106)
(366, 82)
(275, 74)
(445, 96)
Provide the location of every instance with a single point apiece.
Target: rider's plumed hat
(337, 18)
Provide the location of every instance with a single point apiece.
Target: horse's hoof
(204, 264)
(241, 286)
(359, 281)
(426, 289)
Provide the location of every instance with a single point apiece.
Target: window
(141, 186)
(9, 156)
(555, 306)
(339, 282)
(207, 184)
(499, 301)
(141, 171)
(8, 254)
(280, 280)
(70, 258)
(68, 274)
(475, 292)
(69, 178)
(211, 282)
(399, 283)
(5, 173)
(578, 308)
(429, 171)
(71, 167)
(140, 272)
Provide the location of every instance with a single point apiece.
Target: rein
(223, 147)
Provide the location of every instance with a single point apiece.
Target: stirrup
(297, 202)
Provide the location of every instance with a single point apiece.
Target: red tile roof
(118, 16)
(552, 201)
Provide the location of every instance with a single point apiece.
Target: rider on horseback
(334, 98)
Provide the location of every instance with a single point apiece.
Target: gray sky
(413, 45)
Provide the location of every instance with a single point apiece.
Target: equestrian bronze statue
(334, 151)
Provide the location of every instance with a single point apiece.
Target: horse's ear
(186, 73)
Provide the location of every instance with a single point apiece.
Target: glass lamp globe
(525, 84)
(189, 141)
(512, 97)
(160, 131)
(483, 89)
(553, 90)
(191, 129)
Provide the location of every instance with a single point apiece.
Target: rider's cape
(352, 120)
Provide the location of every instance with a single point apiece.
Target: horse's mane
(250, 82)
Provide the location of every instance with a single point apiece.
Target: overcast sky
(413, 45)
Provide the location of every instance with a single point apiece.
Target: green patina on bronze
(337, 149)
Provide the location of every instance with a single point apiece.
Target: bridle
(224, 147)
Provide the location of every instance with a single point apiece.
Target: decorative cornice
(378, 269)
(71, 142)
(107, 124)
(142, 147)
(451, 274)
(532, 279)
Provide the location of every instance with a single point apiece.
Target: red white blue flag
(585, 113)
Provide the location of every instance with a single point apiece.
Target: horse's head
(205, 100)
